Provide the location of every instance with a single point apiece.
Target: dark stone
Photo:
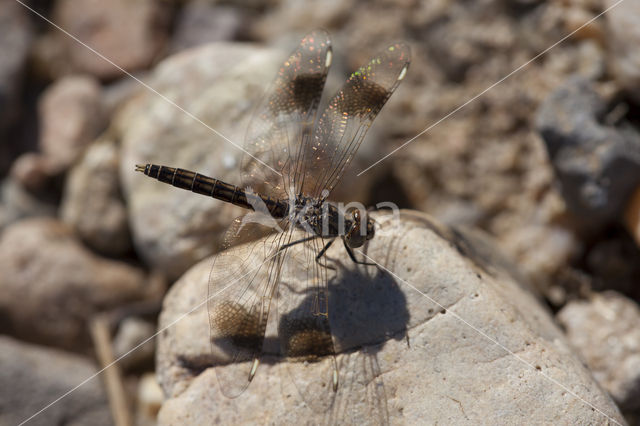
(597, 164)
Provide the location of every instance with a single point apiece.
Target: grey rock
(92, 203)
(201, 22)
(51, 285)
(172, 229)
(597, 164)
(401, 354)
(604, 330)
(33, 377)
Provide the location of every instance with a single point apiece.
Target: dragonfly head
(355, 237)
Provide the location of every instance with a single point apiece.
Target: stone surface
(173, 228)
(421, 340)
(51, 285)
(604, 330)
(32, 377)
(70, 117)
(92, 203)
(597, 164)
(623, 27)
(131, 35)
(200, 22)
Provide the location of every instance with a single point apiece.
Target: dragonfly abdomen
(205, 185)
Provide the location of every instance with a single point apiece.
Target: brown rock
(51, 285)
(129, 34)
(71, 116)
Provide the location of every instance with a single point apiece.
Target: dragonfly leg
(302, 240)
(322, 252)
(353, 257)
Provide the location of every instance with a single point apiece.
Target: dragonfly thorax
(326, 220)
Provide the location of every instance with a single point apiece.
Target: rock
(71, 116)
(32, 171)
(604, 330)
(51, 285)
(420, 340)
(92, 203)
(17, 203)
(200, 22)
(623, 28)
(134, 339)
(597, 164)
(131, 35)
(224, 82)
(172, 228)
(33, 377)
(17, 35)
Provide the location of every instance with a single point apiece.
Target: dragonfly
(295, 155)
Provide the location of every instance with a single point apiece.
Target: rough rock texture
(92, 203)
(597, 164)
(32, 377)
(51, 285)
(173, 228)
(605, 331)
(415, 360)
(129, 34)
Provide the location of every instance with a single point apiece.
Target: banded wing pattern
(284, 117)
(344, 123)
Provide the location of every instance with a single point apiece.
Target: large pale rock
(172, 228)
(51, 285)
(217, 87)
(444, 332)
(33, 377)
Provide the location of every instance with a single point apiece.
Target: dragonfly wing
(304, 328)
(343, 124)
(242, 283)
(361, 398)
(284, 117)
